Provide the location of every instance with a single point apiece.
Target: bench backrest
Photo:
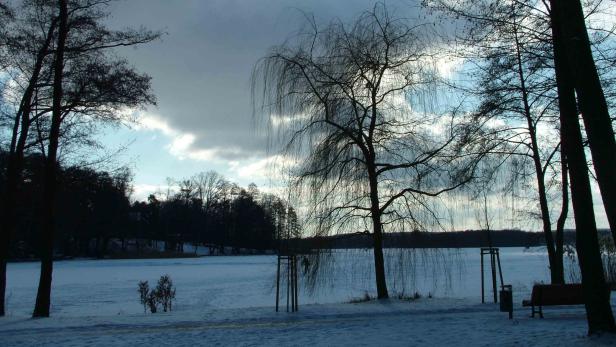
(557, 294)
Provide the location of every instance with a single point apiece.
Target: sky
(201, 68)
(201, 71)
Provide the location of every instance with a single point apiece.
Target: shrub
(152, 301)
(144, 290)
(163, 294)
(404, 297)
(608, 258)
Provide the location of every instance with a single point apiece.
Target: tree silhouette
(348, 101)
(507, 46)
(598, 310)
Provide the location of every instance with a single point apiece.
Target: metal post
(482, 280)
(292, 283)
(296, 285)
(288, 281)
(493, 264)
(500, 271)
(278, 283)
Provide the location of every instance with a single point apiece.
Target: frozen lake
(109, 287)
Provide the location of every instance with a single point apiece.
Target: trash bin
(506, 299)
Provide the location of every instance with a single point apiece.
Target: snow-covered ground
(229, 301)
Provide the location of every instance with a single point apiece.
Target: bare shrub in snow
(144, 290)
(152, 301)
(163, 294)
(608, 257)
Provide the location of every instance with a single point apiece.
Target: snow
(229, 301)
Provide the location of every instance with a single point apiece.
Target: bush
(163, 294)
(144, 290)
(152, 301)
(413, 297)
(608, 258)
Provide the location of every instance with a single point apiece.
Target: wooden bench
(554, 295)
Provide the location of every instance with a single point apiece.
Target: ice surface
(228, 300)
(109, 287)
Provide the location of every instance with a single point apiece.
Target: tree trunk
(555, 258)
(19, 137)
(597, 298)
(377, 235)
(564, 211)
(598, 309)
(379, 262)
(592, 104)
(43, 296)
(556, 273)
(7, 226)
(2, 285)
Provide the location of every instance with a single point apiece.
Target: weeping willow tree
(353, 106)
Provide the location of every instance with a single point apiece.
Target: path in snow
(426, 322)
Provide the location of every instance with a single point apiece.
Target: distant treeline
(93, 210)
(452, 239)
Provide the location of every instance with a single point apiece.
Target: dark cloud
(201, 68)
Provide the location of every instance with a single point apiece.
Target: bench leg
(532, 311)
(540, 311)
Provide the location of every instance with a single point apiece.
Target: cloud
(448, 66)
(141, 191)
(201, 69)
(272, 167)
(183, 144)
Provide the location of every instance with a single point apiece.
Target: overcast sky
(201, 76)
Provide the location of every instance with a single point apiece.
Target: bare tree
(507, 46)
(31, 51)
(88, 83)
(352, 103)
(597, 299)
(517, 85)
(6, 16)
(208, 187)
(592, 101)
(43, 296)
(97, 86)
